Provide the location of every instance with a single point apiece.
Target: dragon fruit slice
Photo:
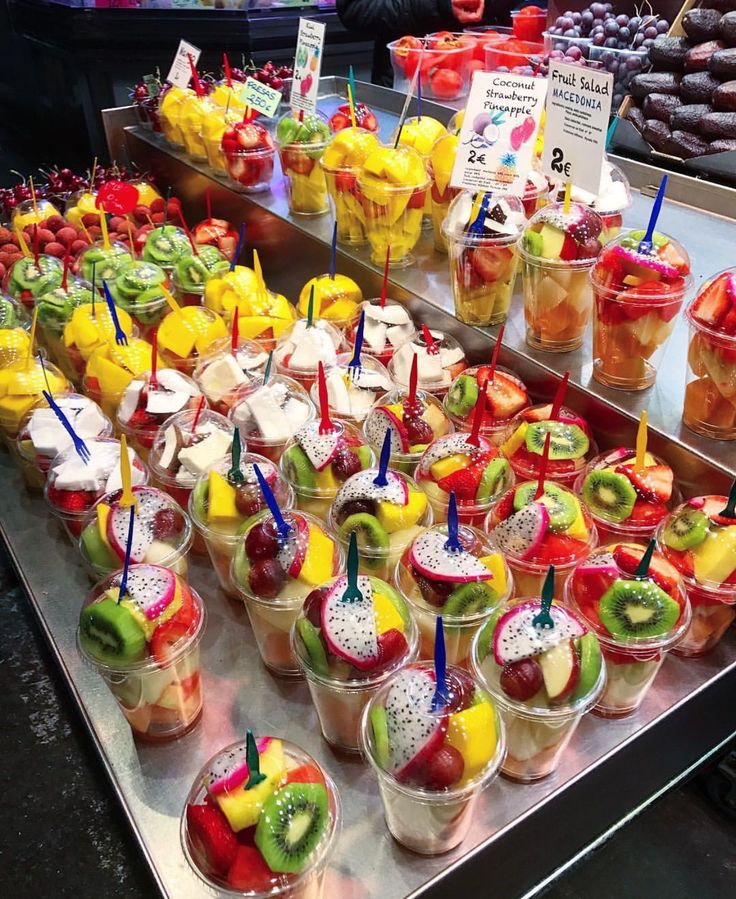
(598, 565)
(517, 638)
(638, 261)
(151, 588)
(453, 444)
(230, 769)
(293, 549)
(521, 535)
(361, 486)
(375, 429)
(349, 628)
(321, 449)
(149, 503)
(430, 558)
(415, 733)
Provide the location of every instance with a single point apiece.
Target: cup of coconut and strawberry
(440, 361)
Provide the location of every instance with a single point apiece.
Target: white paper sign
(578, 110)
(261, 97)
(180, 73)
(499, 130)
(307, 64)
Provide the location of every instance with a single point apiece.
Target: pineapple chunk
(445, 467)
(387, 615)
(473, 733)
(242, 807)
(515, 440)
(397, 518)
(221, 506)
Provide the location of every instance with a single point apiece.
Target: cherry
(345, 463)
(261, 542)
(521, 680)
(277, 83)
(417, 430)
(392, 647)
(313, 606)
(167, 523)
(248, 500)
(461, 689)
(265, 578)
(443, 769)
(356, 507)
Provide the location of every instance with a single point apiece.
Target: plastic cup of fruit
(42, 436)
(282, 862)
(444, 65)
(341, 163)
(483, 264)
(699, 542)
(316, 487)
(169, 109)
(347, 650)
(435, 370)
(611, 201)
(637, 620)
(306, 188)
(710, 395)
(336, 300)
(137, 290)
(184, 337)
(89, 328)
(626, 503)
(219, 521)
(31, 212)
(192, 117)
(165, 246)
(105, 263)
(637, 298)
(73, 487)
(506, 396)
(385, 328)
(439, 169)
(351, 393)
(220, 373)
(543, 696)
(250, 168)
(385, 519)
(556, 530)
(477, 475)
(154, 670)
(463, 587)
(431, 765)
(110, 369)
(15, 323)
(21, 387)
(55, 309)
(25, 281)
(273, 576)
(413, 428)
(213, 129)
(300, 350)
(513, 54)
(536, 191)
(192, 273)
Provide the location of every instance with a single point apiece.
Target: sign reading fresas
(307, 64)
(578, 110)
(180, 73)
(497, 136)
(261, 97)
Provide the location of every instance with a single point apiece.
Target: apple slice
(560, 669)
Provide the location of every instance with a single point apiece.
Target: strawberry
(504, 507)
(669, 254)
(211, 836)
(557, 548)
(306, 774)
(653, 483)
(71, 500)
(682, 560)
(505, 396)
(464, 482)
(627, 556)
(713, 302)
(249, 872)
(166, 637)
(569, 250)
(647, 514)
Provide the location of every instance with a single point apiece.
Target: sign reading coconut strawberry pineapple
(578, 109)
(498, 132)
(307, 63)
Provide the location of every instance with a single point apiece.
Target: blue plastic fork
(120, 336)
(476, 227)
(79, 445)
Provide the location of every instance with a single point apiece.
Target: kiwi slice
(379, 586)
(380, 735)
(494, 480)
(200, 496)
(687, 529)
(485, 639)
(533, 242)
(365, 455)
(110, 634)
(469, 599)
(313, 644)
(298, 469)
(637, 609)
(369, 532)
(462, 396)
(609, 495)
(589, 653)
(292, 823)
(99, 554)
(560, 503)
(568, 441)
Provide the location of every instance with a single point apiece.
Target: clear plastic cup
(55, 309)
(184, 337)
(137, 290)
(632, 322)
(15, 323)
(21, 387)
(439, 169)
(160, 691)
(539, 729)
(25, 280)
(110, 369)
(631, 661)
(465, 588)
(192, 273)
(212, 131)
(233, 881)
(301, 348)
(220, 373)
(352, 392)
(306, 188)
(432, 821)
(340, 691)
(105, 263)
(443, 60)
(193, 113)
(611, 201)
(384, 328)
(250, 171)
(437, 367)
(165, 246)
(507, 395)
(394, 216)
(169, 109)
(273, 577)
(88, 329)
(221, 530)
(337, 300)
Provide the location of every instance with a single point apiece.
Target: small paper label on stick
(498, 133)
(307, 64)
(180, 73)
(260, 97)
(578, 109)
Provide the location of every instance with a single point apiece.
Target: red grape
(521, 680)
(313, 606)
(167, 523)
(417, 430)
(345, 463)
(248, 500)
(444, 769)
(266, 578)
(356, 507)
(392, 647)
(261, 542)
(461, 689)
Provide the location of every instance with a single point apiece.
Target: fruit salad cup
(536, 190)
(213, 129)
(353, 391)
(347, 649)
(221, 504)
(30, 212)
(145, 646)
(542, 680)
(341, 163)
(463, 585)
(421, 133)
(274, 574)
(55, 309)
(384, 328)
(73, 487)
(506, 396)
(571, 444)
(365, 118)
(137, 290)
(637, 619)
(384, 517)
(186, 336)
(534, 534)
(218, 233)
(431, 763)
(110, 369)
(192, 115)
(103, 263)
(42, 436)
(26, 280)
(21, 387)
(483, 257)
(317, 464)
(300, 350)
(15, 323)
(476, 473)
(558, 251)
(169, 109)
(437, 365)
(710, 395)
(191, 274)
(414, 424)
(439, 167)
(89, 328)
(249, 153)
(264, 840)
(165, 246)
(699, 540)
(638, 293)
(611, 201)
(220, 373)
(301, 145)
(336, 300)
(627, 503)
(392, 189)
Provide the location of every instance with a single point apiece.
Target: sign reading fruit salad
(307, 63)
(180, 73)
(498, 132)
(578, 110)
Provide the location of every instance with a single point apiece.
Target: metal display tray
(522, 835)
